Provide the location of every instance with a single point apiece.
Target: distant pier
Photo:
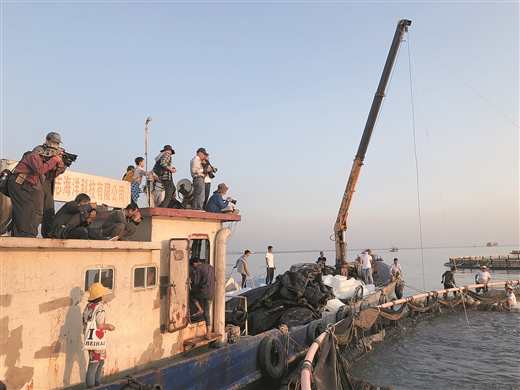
(493, 262)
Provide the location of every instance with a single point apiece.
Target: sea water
(454, 351)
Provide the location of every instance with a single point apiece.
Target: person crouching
(218, 204)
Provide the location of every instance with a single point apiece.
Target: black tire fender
(358, 294)
(312, 331)
(271, 357)
(238, 315)
(340, 314)
(399, 288)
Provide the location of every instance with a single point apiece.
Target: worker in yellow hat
(94, 309)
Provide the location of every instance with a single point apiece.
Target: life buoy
(271, 356)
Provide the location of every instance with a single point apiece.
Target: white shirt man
(197, 173)
(366, 263)
(482, 277)
(395, 270)
(511, 298)
(269, 262)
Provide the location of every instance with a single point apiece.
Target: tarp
(295, 298)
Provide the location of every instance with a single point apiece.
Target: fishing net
(355, 335)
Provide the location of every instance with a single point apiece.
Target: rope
(415, 288)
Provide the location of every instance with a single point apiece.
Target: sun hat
(484, 267)
(222, 188)
(96, 291)
(168, 147)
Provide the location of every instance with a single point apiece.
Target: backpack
(158, 168)
(4, 177)
(129, 175)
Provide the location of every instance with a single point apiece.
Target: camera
(209, 169)
(234, 201)
(68, 158)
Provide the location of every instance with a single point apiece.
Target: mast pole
(148, 181)
(341, 222)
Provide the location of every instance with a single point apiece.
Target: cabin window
(200, 248)
(105, 276)
(145, 277)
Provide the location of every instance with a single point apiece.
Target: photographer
(217, 203)
(26, 188)
(209, 173)
(197, 174)
(164, 170)
(73, 220)
(122, 223)
(44, 203)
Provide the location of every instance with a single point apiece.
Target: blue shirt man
(218, 204)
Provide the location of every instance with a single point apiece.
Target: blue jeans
(367, 272)
(94, 371)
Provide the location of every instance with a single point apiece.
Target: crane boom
(341, 222)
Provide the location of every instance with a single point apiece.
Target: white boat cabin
(43, 295)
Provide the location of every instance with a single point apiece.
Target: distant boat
(393, 249)
(492, 244)
(515, 252)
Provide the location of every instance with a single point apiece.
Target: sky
(278, 92)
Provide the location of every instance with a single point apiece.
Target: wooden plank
(200, 341)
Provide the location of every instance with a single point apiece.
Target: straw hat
(96, 291)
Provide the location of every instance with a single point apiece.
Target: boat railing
(244, 311)
(510, 256)
(258, 275)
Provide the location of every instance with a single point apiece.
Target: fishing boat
(492, 243)
(156, 344)
(393, 249)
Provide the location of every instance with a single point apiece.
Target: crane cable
(412, 67)
(464, 82)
